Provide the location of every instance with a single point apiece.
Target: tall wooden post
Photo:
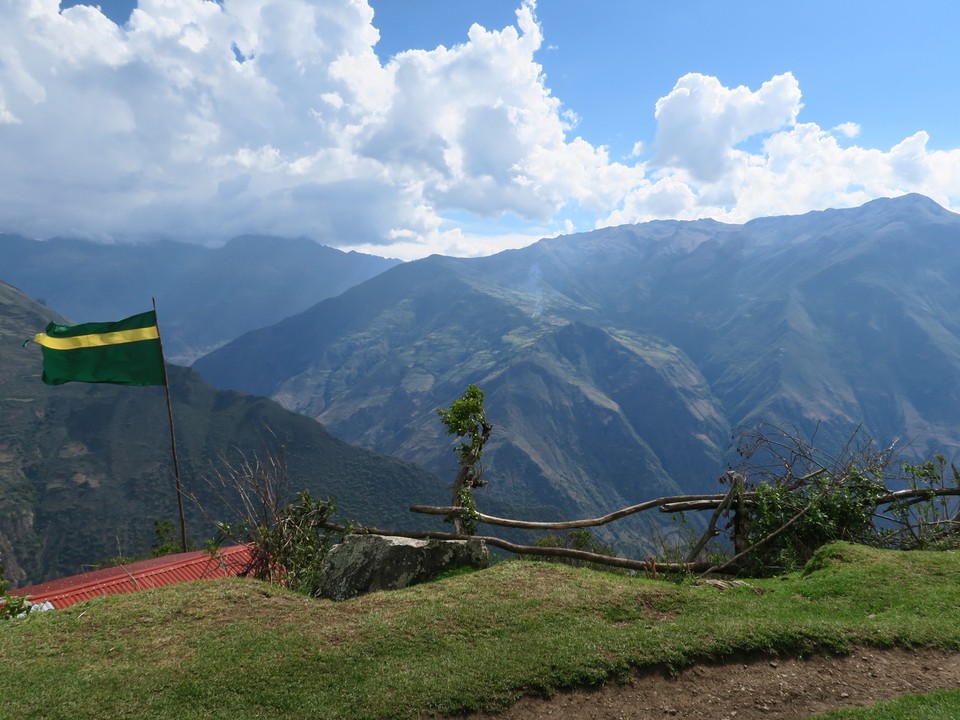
(173, 439)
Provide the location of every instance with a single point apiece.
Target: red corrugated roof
(227, 562)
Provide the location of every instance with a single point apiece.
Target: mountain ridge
(206, 296)
(844, 317)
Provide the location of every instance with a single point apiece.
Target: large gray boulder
(366, 563)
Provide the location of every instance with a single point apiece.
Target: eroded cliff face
(19, 546)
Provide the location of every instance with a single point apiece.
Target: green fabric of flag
(126, 352)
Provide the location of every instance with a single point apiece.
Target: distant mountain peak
(911, 202)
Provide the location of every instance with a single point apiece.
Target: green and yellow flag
(126, 352)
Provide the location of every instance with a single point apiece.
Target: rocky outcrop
(366, 563)
(19, 544)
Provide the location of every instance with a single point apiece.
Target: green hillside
(86, 469)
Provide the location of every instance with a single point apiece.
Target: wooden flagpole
(173, 438)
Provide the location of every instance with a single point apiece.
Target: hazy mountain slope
(843, 315)
(86, 469)
(206, 296)
(616, 362)
(377, 361)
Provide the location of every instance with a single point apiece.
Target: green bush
(290, 550)
(802, 519)
(11, 605)
(929, 521)
(289, 540)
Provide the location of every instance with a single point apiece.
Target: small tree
(467, 419)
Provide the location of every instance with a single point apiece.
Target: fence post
(739, 517)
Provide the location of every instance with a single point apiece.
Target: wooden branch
(570, 524)
(740, 519)
(671, 504)
(801, 481)
(676, 503)
(644, 565)
(919, 495)
(764, 541)
(711, 503)
(711, 530)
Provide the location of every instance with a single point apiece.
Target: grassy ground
(943, 705)
(242, 649)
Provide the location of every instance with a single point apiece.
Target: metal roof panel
(156, 572)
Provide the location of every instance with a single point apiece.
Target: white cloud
(700, 121)
(849, 129)
(452, 242)
(7, 117)
(699, 170)
(202, 120)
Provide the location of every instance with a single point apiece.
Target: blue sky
(890, 66)
(396, 129)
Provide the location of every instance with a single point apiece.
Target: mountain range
(618, 363)
(205, 296)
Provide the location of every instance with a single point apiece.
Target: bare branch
(584, 555)
(569, 524)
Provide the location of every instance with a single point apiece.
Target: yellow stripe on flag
(98, 340)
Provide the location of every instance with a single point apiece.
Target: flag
(126, 352)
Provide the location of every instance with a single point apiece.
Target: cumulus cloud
(849, 129)
(700, 121)
(201, 120)
(700, 168)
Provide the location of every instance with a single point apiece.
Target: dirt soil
(758, 688)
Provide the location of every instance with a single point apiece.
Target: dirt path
(778, 688)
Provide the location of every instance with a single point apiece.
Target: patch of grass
(940, 705)
(475, 641)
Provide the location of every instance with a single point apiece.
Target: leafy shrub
(11, 605)
(290, 550)
(795, 521)
(928, 522)
(804, 497)
(289, 540)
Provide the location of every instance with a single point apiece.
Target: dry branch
(900, 495)
(644, 565)
(709, 502)
(711, 530)
(759, 543)
(570, 524)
